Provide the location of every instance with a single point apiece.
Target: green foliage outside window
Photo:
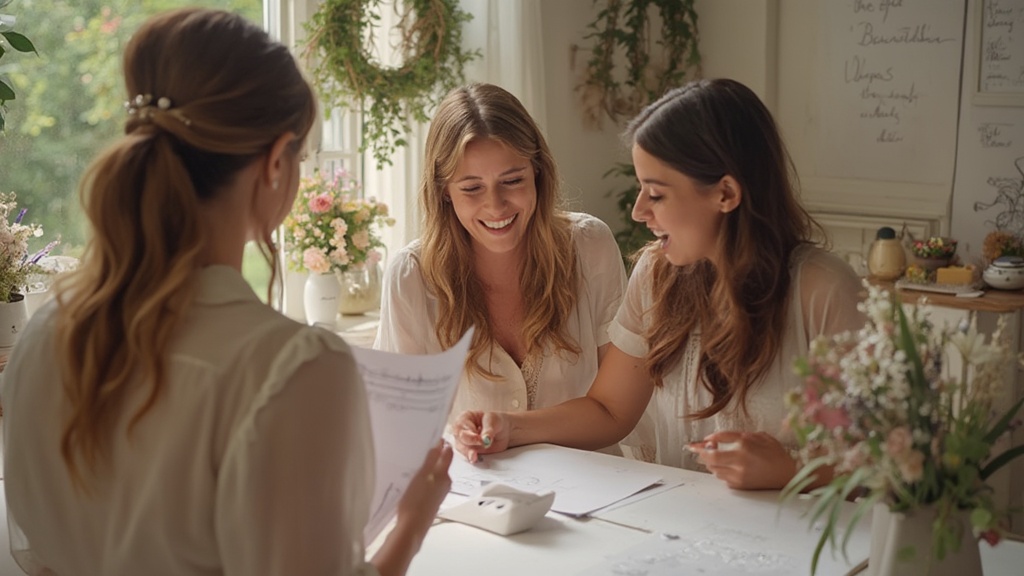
(70, 97)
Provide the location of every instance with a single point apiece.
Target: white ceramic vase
(901, 545)
(13, 317)
(320, 300)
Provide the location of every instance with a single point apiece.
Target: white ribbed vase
(901, 545)
(320, 300)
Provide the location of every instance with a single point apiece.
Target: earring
(275, 183)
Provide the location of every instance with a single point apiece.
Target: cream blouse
(255, 459)
(826, 291)
(409, 313)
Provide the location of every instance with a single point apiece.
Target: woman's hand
(426, 490)
(479, 433)
(746, 460)
(416, 511)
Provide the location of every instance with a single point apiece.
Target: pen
(720, 446)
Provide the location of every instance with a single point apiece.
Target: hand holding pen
(746, 460)
(477, 433)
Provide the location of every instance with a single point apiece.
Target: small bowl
(935, 248)
(1005, 273)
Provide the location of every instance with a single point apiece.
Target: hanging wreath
(348, 77)
(626, 25)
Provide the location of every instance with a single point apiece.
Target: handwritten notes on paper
(582, 481)
(409, 398)
(1002, 46)
(889, 74)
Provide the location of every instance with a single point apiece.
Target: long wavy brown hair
(706, 130)
(232, 91)
(548, 279)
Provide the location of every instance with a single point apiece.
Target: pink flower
(816, 411)
(898, 441)
(316, 261)
(991, 536)
(373, 257)
(340, 257)
(911, 465)
(361, 240)
(320, 204)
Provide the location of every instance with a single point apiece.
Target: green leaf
(1001, 460)
(909, 347)
(1003, 423)
(19, 42)
(6, 92)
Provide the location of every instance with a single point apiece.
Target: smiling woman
(540, 284)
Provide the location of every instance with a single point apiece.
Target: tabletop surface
(699, 523)
(700, 527)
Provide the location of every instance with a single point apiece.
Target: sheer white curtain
(508, 35)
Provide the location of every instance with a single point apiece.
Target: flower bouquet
(935, 247)
(15, 261)
(331, 228)
(879, 407)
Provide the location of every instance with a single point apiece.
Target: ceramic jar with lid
(1005, 273)
(886, 258)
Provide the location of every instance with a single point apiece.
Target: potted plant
(913, 443)
(16, 263)
(628, 26)
(334, 234)
(348, 77)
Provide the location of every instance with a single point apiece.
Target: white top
(409, 313)
(826, 291)
(255, 459)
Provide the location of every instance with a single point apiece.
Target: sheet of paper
(409, 397)
(582, 481)
(653, 490)
(700, 553)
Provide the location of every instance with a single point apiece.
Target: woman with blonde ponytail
(159, 419)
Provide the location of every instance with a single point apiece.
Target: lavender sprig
(35, 258)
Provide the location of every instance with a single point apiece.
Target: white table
(702, 513)
(561, 545)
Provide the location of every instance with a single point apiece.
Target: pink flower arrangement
(331, 227)
(881, 408)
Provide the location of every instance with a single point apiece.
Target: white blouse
(826, 292)
(255, 459)
(409, 313)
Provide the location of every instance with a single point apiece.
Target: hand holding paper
(409, 399)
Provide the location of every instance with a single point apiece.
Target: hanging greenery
(348, 77)
(626, 25)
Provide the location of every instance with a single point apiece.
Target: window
(70, 105)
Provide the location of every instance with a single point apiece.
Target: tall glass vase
(901, 544)
(320, 300)
(360, 289)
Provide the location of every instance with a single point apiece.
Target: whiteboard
(888, 84)
(988, 191)
(999, 29)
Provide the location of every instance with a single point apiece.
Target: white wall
(582, 155)
(737, 41)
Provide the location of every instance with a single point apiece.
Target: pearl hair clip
(143, 106)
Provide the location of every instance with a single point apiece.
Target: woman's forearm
(583, 423)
